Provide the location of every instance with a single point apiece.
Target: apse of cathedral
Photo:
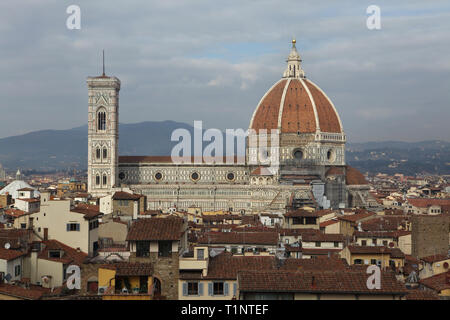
(309, 151)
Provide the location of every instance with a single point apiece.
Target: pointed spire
(294, 68)
(103, 74)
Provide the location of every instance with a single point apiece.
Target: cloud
(206, 60)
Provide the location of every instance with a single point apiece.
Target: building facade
(304, 138)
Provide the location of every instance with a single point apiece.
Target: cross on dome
(294, 68)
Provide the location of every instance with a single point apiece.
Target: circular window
(298, 154)
(121, 176)
(230, 176)
(331, 156)
(158, 176)
(195, 176)
(264, 153)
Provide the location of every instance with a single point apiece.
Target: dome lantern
(294, 68)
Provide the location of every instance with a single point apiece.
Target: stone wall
(430, 235)
(166, 269)
(89, 272)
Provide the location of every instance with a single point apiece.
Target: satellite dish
(7, 246)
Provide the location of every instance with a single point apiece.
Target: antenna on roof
(103, 62)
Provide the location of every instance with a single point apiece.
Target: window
(164, 248)
(192, 288)
(195, 176)
(230, 176)
(73, 227)
(105, 153)
(200, 254)
(98, 153)
(385, 243)
(298, 154)
(101, 120)
(374, 241)
(318, 243)
(93, 224)
(358, 261)
(23, 225)
(336, 244)
(97, 180)
(142, 248)
(158, 176)
(364, 242)
(310, 220)
(54, 254)
(218, 288)
(286, 241)
(105, 179)
(17, 271)
(123, 203)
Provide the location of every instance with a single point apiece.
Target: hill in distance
(50, 150)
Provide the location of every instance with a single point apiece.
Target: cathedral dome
(295, 104)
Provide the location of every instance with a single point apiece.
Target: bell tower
(103, 133)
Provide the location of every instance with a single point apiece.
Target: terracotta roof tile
(323, 237)
(267, 238)
(349, 282)
(23, 293)
(88, 211)
(226, 266)
(354, 177)
(170, 228)
(69, 254)
(438, 282)
(266, 114)
(302, 213)
(298, 112)
(435, 258)
(316, 264)
(328, 119)
(121, 195)
(393, 252)
(418, 294)
(335, 171)
(130, 269)
(9, 254)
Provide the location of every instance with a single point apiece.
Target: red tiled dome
(296, 105)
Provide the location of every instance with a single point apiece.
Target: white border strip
(260, 101)
(313, 105)
(280, 111)
(331, 103)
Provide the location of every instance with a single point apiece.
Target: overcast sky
(213, 60)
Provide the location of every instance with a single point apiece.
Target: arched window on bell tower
(97, 154)
(101, 120)
(105, 180)
(97, 180)
(105, 153)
